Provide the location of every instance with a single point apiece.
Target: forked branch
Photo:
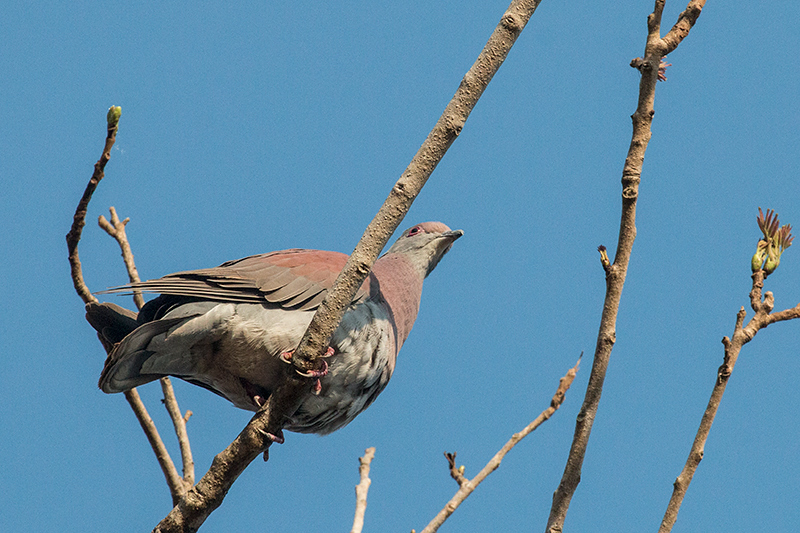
(175, 483)
(655, 49)
(466, 486)
(776, 240)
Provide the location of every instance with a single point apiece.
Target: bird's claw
(316, 373)
(278, 439)
(286, 357)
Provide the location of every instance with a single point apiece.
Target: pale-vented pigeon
(230, 328)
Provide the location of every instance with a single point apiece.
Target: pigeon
(230, 329)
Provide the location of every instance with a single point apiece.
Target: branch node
(604, 260)
(511, 23)
(456, 473)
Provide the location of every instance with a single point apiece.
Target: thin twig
(457, 473)
(179, 421)
(655, 49)
(79, 218)
(116, 229)
(362, 489)
(466, 486)
(174, 481)
(741, 336)
(177, 485)
(256, 438)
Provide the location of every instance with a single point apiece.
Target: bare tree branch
(178, 486)
(174, 480)
(116, 229)
(179, 422)
(410, 184)
(192, 510)
(466, 486)
(681, 28)
(362, 489)
(79, 218)
(741, 336)
(655, 49)
(265, 427)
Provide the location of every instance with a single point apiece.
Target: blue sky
(251, 127)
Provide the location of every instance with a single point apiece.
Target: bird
(230, 329)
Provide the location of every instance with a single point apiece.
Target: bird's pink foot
(323, 371)
(286, 357)
(278, 439)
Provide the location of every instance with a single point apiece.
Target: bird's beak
(452, 234)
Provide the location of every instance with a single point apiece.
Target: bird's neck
(401, 288)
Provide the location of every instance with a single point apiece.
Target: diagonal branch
(741, 336)
(410, 184)
(681, 28)
(259, 433)
(642, 119)
(174, 481)
(466, 486)
(179, 423)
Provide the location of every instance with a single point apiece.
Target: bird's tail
(126, 342)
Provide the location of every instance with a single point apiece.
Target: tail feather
(123, 367)
(112, 322)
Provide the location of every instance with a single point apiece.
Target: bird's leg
(286, 357)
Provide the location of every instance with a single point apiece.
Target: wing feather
(288, 278)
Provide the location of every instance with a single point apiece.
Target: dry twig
(655, 49)
(741, 336)
(362, 489)
(174, 480)
(466, 486)
(177, 485)
(79, 218)
(255, 438)
(179, 422)
(117, 230)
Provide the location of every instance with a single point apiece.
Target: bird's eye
(415, 230)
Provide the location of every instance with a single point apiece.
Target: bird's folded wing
(297, 279)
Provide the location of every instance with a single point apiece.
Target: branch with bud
(775, 241)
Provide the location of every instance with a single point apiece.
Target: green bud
(757, 262)
(114, 112)
(773, 260)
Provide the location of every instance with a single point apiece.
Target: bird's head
(425, 244)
